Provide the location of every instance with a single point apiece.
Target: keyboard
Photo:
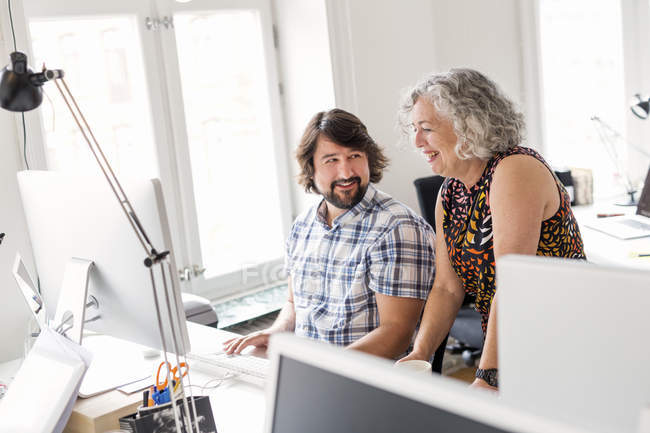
(239, 364)
(635, 224)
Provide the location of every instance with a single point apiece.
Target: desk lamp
(20, 91)
(640, 106)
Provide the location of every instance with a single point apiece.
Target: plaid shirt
(378, 246)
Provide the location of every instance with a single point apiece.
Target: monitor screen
(310, 399)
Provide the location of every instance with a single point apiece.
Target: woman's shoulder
(517, 151)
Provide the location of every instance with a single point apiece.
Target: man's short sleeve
(401, 263)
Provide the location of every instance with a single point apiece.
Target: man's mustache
(356, 179)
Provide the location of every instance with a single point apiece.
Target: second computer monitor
(77, 216)
(573, 341)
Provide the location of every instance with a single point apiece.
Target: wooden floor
(465, 374)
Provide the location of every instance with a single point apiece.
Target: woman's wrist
(421, 351)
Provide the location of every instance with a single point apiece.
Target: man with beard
(360, 263)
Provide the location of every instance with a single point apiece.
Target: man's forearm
(387, 341)
(286, 320)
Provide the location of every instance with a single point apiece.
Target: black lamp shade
(17, 90)
(640, 107)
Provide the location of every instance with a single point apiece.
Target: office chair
(467, 326)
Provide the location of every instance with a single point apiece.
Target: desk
(604, 249)
(238, 406)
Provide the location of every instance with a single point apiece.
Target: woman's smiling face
(435, 137)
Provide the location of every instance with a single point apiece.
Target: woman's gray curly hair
(483, 118)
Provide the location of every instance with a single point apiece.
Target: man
(360, 264)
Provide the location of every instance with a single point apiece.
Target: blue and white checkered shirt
(378, 246)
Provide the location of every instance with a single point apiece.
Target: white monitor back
(76, 215)
(574, 341)
(315, 387)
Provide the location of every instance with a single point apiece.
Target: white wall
(306, 75)
(394, 44)
(13, 319)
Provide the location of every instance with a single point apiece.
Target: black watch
(489, 375)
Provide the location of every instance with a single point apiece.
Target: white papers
(42, 394)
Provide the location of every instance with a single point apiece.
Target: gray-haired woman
(498, 198)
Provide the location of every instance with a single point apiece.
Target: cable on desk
(206, 386)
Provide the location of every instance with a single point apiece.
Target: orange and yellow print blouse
(467, 228)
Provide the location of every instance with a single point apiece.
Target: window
(582, 66)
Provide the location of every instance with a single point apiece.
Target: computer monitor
(73, 215)
(320, 388)
(574, 341)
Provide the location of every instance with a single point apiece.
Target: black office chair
(466, 329)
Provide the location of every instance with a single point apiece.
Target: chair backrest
(427, 191)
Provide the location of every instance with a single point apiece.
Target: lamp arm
(619, 136)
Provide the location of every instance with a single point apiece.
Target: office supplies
(632, 226)
(154, 419)
(177, 373)
(42, 394)
(608, 215)
(319, 388)
(145, 398)
(245, 365)
(578, 352)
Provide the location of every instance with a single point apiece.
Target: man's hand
(480, 383)
(257, 339)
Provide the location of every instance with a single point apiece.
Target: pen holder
(160, 418)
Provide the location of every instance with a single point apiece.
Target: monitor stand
(115, 362)
(71, 308)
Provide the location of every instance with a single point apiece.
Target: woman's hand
(414, 355)
(481, 384)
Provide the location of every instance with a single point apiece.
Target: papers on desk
(42, 394)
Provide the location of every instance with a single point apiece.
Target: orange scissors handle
(182, 368)
(162, 385)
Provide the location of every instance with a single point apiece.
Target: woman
(499, 198)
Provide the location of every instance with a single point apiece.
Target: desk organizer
(160, 419)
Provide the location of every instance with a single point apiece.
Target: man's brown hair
(344, 129)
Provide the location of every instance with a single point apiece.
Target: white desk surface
(238, 406)
(604, 249)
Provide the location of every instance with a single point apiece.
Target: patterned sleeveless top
(467, 228)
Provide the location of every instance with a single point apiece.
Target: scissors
(182, 368)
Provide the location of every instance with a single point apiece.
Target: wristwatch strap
(489, 375)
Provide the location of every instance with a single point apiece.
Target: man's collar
(347, 216)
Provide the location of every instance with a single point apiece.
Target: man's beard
(345, 199)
